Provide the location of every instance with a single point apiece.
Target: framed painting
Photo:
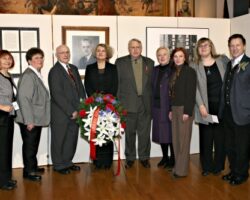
(82, 42)
(184, 8)
(172, 38)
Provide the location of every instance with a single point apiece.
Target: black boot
(171, 160)
(164, 159)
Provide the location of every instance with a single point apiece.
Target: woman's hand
(170, 116)
(30, 126)
(203, 111)
(185, 117)
(6, 108)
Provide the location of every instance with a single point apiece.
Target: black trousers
(212, 138)
(6, 143)
(237, 145)
(31, 141)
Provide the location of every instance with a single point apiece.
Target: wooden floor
(136, 183)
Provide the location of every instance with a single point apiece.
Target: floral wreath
(101, 119)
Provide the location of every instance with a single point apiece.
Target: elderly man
(134, 91)
(66, 89)
(235, 110)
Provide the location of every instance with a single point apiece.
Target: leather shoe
(7, 186)
(145, 163)
(129, 164)
(32, 177)
(176, 176)
(13, 182)
(40, 170)
(75, 168)
(162, 162)
(205, 173)
(227, 177)
(237, 180)
(62, 171)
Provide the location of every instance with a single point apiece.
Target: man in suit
(88, 58)
(134, 92)
(34, 113)
(66, 89)
(235, 110)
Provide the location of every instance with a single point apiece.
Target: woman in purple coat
(161, 107)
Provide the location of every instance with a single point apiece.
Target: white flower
(99, 140)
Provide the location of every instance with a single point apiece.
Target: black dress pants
(31, 141)
(212, 138)
(237, 145)
(6, 143)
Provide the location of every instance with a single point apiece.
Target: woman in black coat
(7, 113)
(102, 77)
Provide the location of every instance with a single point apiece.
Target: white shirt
(237, 60)
(64, 66)
(36, 72)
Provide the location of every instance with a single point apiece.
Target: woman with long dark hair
(182, 92)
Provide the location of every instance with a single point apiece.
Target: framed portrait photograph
(184, 8)
(82, 42)
(172, 38)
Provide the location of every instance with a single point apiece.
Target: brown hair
(176, 69)
(7, 53)
(211, 44)
(109, 50)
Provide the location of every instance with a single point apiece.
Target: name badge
(15, 105)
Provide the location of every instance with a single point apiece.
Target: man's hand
(74, 115)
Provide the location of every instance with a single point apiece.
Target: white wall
(122, 29)
(241, 25)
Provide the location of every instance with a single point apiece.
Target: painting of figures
(87, 7)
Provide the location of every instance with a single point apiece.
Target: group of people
(171, 94)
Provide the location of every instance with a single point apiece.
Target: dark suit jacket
(239, 94)
(65, 99)
(127, 92)
(106, 83)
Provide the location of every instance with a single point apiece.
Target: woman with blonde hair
(210, 70)
(102, 77)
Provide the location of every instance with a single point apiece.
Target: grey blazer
(201, 90)
(6, 92)
(33, 100)
(127, 92)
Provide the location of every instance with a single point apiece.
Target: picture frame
(173, 37)
(82, 42)
(185, 8)
(18, 40)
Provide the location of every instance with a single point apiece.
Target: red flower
(110, 107)
(82, 113)
(89, 100)
(124, 112)
(123, 124)
(108, 98)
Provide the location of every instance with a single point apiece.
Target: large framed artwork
(172, 38)
(82, 42)
(87, 7)
(184, 8)
(18, 41)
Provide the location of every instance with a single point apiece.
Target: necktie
(71, 75)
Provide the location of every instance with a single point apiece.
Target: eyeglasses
(204, 46)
